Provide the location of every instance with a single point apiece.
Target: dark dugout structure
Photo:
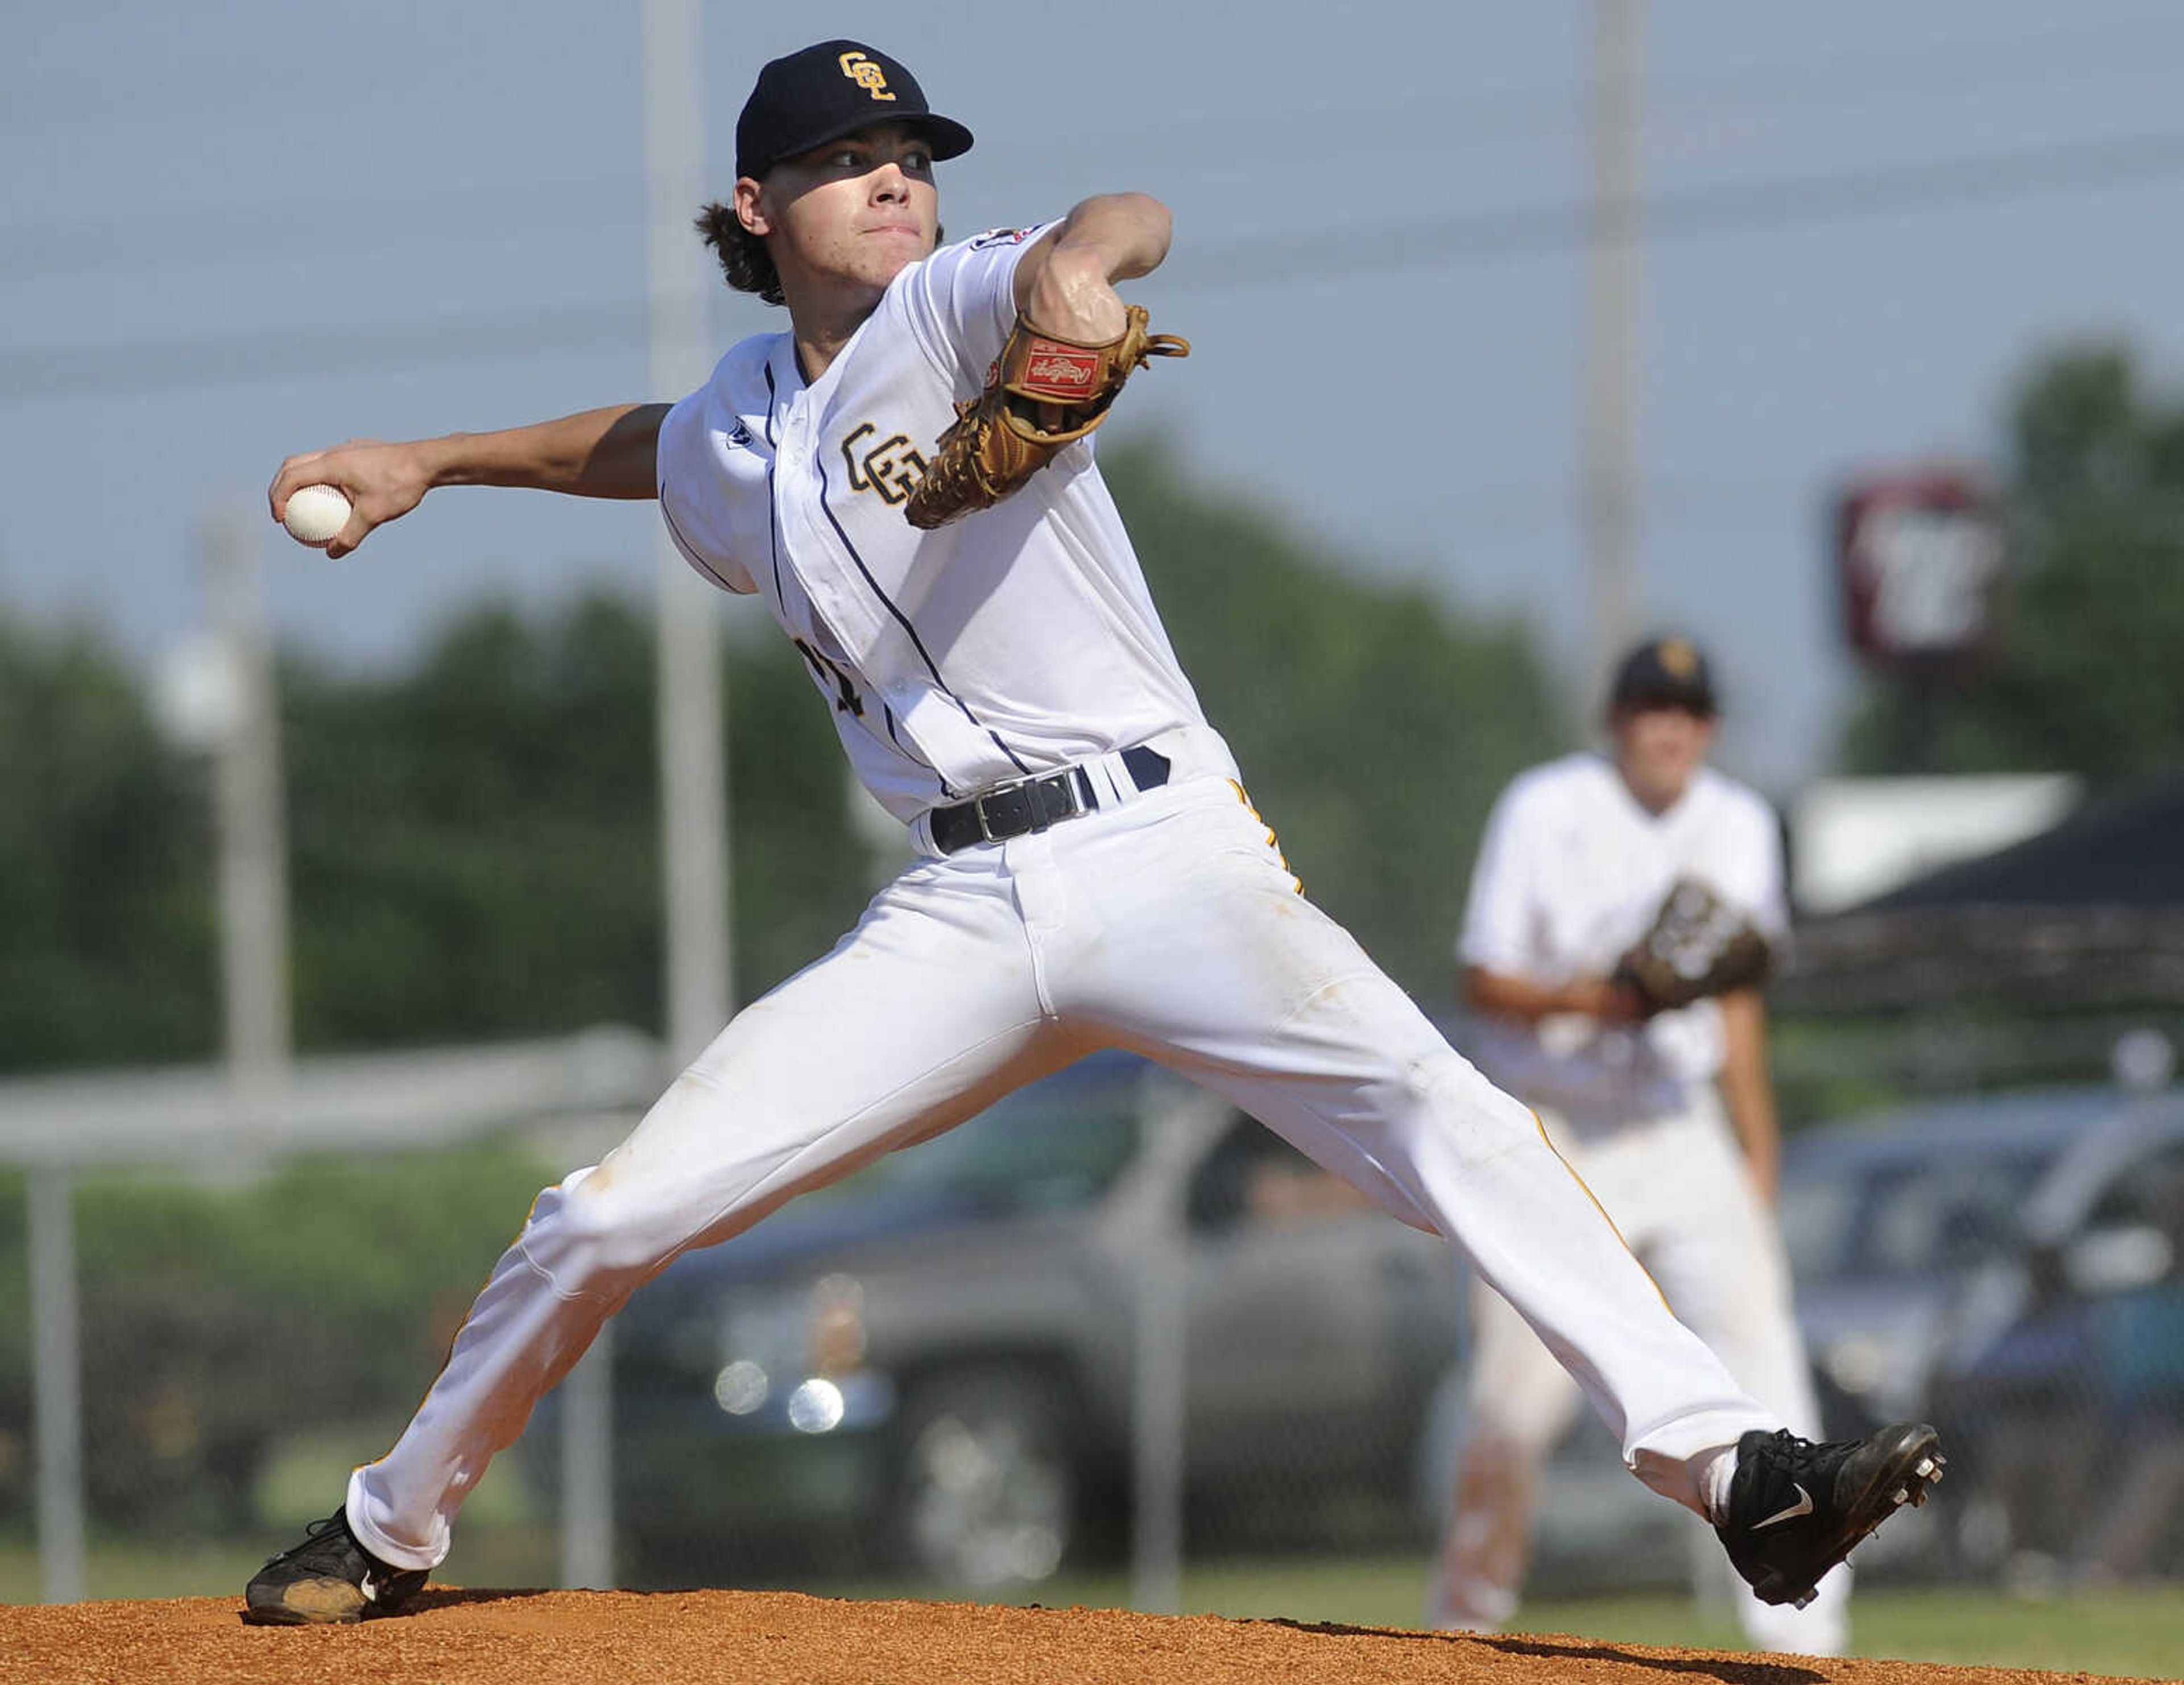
(2039, 963)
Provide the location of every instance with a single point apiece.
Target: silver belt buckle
(1067, 777)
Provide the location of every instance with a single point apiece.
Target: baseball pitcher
(905, 476)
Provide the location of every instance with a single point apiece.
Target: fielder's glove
(1041, 393)
(1697, 946)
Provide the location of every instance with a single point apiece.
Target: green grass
(134, 1568)
(2139, 1631)
(2135, 1632)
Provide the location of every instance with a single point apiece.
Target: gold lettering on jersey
(866, 75)
(826, 672)
(892, 467)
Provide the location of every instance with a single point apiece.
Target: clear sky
(243, 228)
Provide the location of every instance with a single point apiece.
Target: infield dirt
(453, 1637)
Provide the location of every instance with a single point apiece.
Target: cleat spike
(1900, 1497)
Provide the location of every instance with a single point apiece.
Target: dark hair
(744, 259)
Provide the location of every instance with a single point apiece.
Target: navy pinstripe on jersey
(894, 610)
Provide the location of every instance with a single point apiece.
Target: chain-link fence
(1107, 1323)
(218, 1298)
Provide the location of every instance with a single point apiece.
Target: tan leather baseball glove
(1698, 945)
(1042, 392)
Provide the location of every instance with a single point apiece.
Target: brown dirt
(452, 1637)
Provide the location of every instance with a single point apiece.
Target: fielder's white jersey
(1571, 871)
(1018, 640)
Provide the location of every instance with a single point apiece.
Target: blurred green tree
(1374, 727)
(475, 843)
(106, 939)
(2086, 677)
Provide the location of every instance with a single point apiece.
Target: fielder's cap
(1664, 672)
(826, 91)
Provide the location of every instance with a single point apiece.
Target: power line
(2143, 46)
(218, 234)
(1979, 65)
(1769, 204)
(213, 235)
(1512, 509)
(253, 357)
(1730, 208)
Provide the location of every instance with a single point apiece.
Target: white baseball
(316, 514)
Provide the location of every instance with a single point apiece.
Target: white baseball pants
(1677, 1187)
(1168, 924)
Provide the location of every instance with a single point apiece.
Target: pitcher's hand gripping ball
(1698, 945)
(1042, 393)
(316, 514)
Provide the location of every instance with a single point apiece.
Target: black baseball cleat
(328, 1578)
(1797, 1508)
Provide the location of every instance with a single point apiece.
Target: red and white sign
(1921, 556)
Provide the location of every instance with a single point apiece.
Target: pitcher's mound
(452, 1637)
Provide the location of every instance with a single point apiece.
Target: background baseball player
(1667, 1111)
(1090, 874)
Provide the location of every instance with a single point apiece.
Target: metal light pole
(694, 784)
(693, 799)
(254, 847)
(1612, 256)
(1180, 1123)
(57, 1382)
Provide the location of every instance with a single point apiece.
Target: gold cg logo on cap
(1678, 660)
(866, 75)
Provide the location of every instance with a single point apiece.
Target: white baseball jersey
(1571, 871)
(1018, 642)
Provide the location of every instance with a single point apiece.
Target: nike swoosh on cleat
(1803, 1506)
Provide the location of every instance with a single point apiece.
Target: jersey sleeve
(1498, 913)
(1745, 863)
(960, 302)
(695, 516)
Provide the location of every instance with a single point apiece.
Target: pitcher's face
(854, 212)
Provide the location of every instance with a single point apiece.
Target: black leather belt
(1034, 803)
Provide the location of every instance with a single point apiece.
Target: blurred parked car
(930, 1368)
(2063, 1397)
(1892, 1220)
(1932, 1246)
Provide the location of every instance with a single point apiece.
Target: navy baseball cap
(1664, 672)
(826, 91)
